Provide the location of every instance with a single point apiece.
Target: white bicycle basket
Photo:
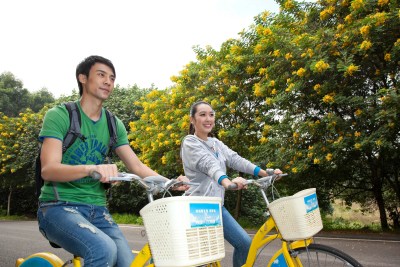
(184, 231)
(297, 216)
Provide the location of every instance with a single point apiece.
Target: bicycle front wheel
(323, 256)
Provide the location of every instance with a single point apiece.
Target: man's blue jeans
(87, 231)
(237, 237)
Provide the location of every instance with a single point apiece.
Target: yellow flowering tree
(18, 149)
(337, 96)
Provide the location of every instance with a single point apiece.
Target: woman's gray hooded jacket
(205, 162)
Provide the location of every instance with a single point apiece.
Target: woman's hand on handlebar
(240, 183)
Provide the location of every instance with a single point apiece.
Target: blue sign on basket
(204, 214)
(311, 202)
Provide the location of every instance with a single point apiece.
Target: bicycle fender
(41, 259)
(278, 260)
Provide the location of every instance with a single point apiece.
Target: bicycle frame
(261, 239)
(143, 257)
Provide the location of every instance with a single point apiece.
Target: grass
(343, 218)
(352, 218)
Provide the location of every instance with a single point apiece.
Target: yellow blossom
(277, 53)
(365, 45)
(233, 88)
(268, 101)
(357, 146)
(263, 140)
(250, 70)
(356, 4)
(357, 134)
(358, 112)
(321, 66)
(300, 72)
(328, 99)
(380, 18)
(387, 57)
(328, 157)
(348, 18)
(258, 90)
(235, 49)
(378, 142)
(258, 48)
(185, 125)
(271, 83)
(316, 161)
(274, 92)
(288, 56)
(164, 160)
(350, 70)
(317, 88)
(326, 13)
(289, 88)
(364, 30)
(267, 31)
(289, 4)
(294, 170)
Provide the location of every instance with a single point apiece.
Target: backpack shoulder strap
(74, 130)
(112, 128)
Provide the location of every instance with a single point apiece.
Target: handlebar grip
(232, 186)
(95, 175)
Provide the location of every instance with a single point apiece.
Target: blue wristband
(256, 171)
(222, 178)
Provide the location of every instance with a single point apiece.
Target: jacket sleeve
(235, 161)
(195, 156)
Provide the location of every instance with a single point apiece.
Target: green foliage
(15, 98)
(127, 218)
(312, 90)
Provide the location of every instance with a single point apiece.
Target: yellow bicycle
(173, 239)
(293, 221)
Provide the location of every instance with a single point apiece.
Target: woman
(205, 159)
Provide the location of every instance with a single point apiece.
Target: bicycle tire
(322, 256)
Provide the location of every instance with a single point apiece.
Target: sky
(148, 41)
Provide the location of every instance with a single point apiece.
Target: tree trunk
(377, 190)
(238, 202)
(238, 205)
(9, 202)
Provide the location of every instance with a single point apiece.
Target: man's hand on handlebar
(105, 171)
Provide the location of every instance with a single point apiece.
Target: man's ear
(82, 78)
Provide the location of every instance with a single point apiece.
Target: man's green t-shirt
(92, 151)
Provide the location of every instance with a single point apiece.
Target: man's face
(100, 82)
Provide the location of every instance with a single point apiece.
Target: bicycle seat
(54, 245)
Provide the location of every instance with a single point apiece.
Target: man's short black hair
(85, 66)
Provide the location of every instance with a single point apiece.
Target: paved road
(22, 238)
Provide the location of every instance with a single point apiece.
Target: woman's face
(203, 120)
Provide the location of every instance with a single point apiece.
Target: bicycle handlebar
(153, 184)
(264, 182)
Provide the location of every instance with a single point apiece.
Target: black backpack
(73, 133)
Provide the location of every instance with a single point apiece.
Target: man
(72, 211)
